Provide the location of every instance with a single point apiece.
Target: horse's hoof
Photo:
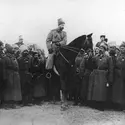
(64, 107)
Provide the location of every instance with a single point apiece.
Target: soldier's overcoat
(99, 78)
(118, 95)
(13, 88)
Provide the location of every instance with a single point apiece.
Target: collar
(58, 30)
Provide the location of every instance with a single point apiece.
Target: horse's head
(87, 43)
(84, 41)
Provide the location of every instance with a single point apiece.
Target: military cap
(60, 21)
(102, 36)
(9, 48)
(122, 44)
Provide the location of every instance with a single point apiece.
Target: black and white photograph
(62, 62)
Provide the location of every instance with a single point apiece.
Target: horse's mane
(77, 41)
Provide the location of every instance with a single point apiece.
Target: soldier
(78, 62)
(87, 64)
(96, 51)
(76, 77)
(56, 38)
(25, 76)
(102, 38)
(12, 91)
(112, 53)
(101, 76)
(38, 72)
(16, 51)
(118, 94)
(2, 72)
(117, 51)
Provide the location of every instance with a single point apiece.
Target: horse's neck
(74, 45)
(69, 55)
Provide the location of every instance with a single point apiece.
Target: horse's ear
(90, 35)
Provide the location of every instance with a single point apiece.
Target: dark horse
(65, 60)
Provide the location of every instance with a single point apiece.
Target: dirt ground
(50, 114)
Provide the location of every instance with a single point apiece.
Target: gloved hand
(50, 51)
(58, 44)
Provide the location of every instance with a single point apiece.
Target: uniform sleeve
(110, 75)
(82, 67)
(49, 40)
(64, 41)
(98, 44)
(29, 68)
(4, 69)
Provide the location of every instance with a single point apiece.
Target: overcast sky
(35, 18)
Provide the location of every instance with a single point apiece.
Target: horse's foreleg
(63, 92)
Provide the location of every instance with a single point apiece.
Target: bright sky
(35, 18)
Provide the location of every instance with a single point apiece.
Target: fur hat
(60, 21)
(9, 48)
(23, 48)
(123, 44)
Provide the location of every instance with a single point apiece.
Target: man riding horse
(65, 59)
(56, 38)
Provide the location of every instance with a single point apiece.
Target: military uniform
(87, 64)
(79, 68)
(25, 76)
(2, 76)
(118, 92)
(38, 72)
(103, 42)
(13, 88)
(101, 75)
(54, 37)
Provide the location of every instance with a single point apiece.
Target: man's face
(102, 50)
(90, 54)
(36, 56)
(25, 53)
(102, 38)
(61, 27)
(122, 49)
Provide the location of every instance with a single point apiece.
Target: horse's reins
(70, 49)
(64, 57)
